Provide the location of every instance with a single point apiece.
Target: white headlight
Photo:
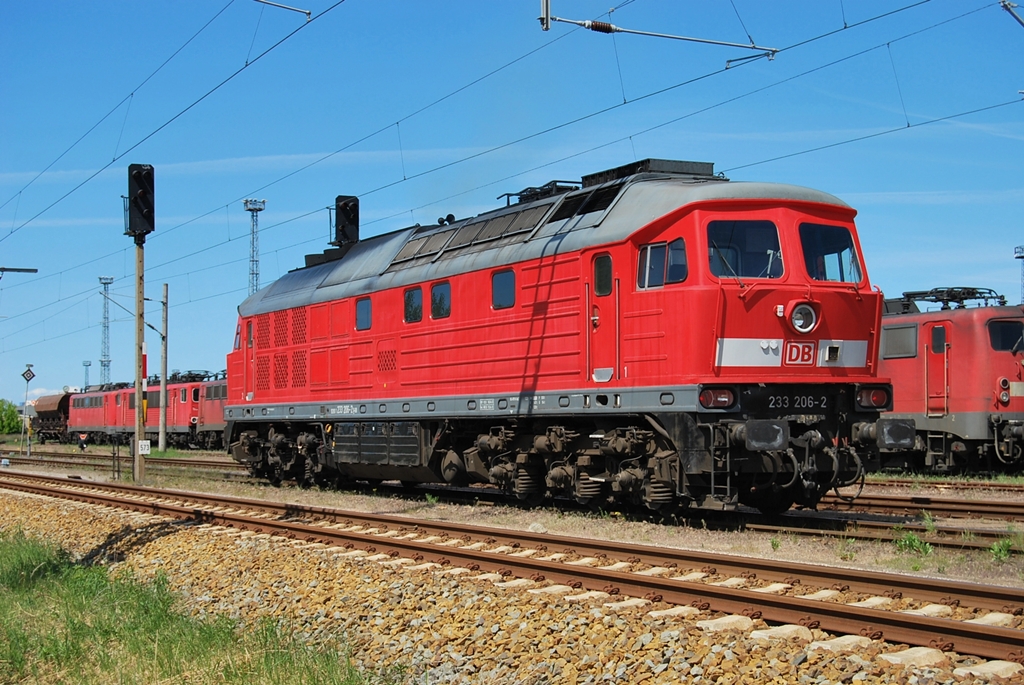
(803, 318)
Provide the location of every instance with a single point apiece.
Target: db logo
(799, 353)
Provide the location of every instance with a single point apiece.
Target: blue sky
(427, 108)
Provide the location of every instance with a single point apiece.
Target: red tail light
(717, 398)
(873, 398)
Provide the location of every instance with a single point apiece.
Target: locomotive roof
(597, 214)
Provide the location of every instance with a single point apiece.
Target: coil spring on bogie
(527, 483)
(660, 492)
(587, 488)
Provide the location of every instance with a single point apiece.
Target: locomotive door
(937, 368)
(602, 321)
(248, 363)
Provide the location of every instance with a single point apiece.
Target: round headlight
(803, 318)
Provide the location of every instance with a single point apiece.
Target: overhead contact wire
(118, 105)
(172, 119)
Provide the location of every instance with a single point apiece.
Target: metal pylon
(105, 344)
(254, 207)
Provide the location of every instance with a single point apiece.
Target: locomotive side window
(363, 314)
(603, 275)
(440, 300)
(184, 395)
(413, 305)
(744, 249)
(1006, 336)
(829, 253)
(660, 264)
(238, 336)
(248, 333)
(195, 394)
(899, 341)
(503, 289)
(939, 339)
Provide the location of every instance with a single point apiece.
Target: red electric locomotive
(956, 371)
(195, 412)
(656, 335)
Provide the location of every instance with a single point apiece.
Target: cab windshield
(744, 249)
(1006, 336)
(829, 253)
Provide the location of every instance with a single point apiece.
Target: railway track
(874, 503)
(124, 463)
(980, 620)
(853, 521)
(936, 506)
(951, 485)
(949, 537)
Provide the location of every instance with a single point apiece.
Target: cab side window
(660, 264)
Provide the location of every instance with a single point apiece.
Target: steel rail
(104, 461)
(961, 508)
(946, 484)
(894, 532)
(966, 638)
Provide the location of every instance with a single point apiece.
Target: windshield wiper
(735, 275)
(1018, 346)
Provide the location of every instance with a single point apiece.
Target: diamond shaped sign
(28, 375)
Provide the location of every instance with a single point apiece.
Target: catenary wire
(169, 121)
(118, 105)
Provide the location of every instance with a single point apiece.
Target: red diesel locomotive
(957, 373)
(656, 335)
(195, 412)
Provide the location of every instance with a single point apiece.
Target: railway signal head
(346, 220)
(141, 201)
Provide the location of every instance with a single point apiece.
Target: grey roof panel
(365, 268)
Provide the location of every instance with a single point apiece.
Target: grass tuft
(62, 622)
(909, 543)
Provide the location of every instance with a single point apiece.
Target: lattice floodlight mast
(1018, 253)
(105, 340)
(254, 207)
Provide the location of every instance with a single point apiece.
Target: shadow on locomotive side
(655, 335)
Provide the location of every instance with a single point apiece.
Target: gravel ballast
(449, 626)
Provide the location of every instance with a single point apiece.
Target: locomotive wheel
(531, 500)
(770, 502)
